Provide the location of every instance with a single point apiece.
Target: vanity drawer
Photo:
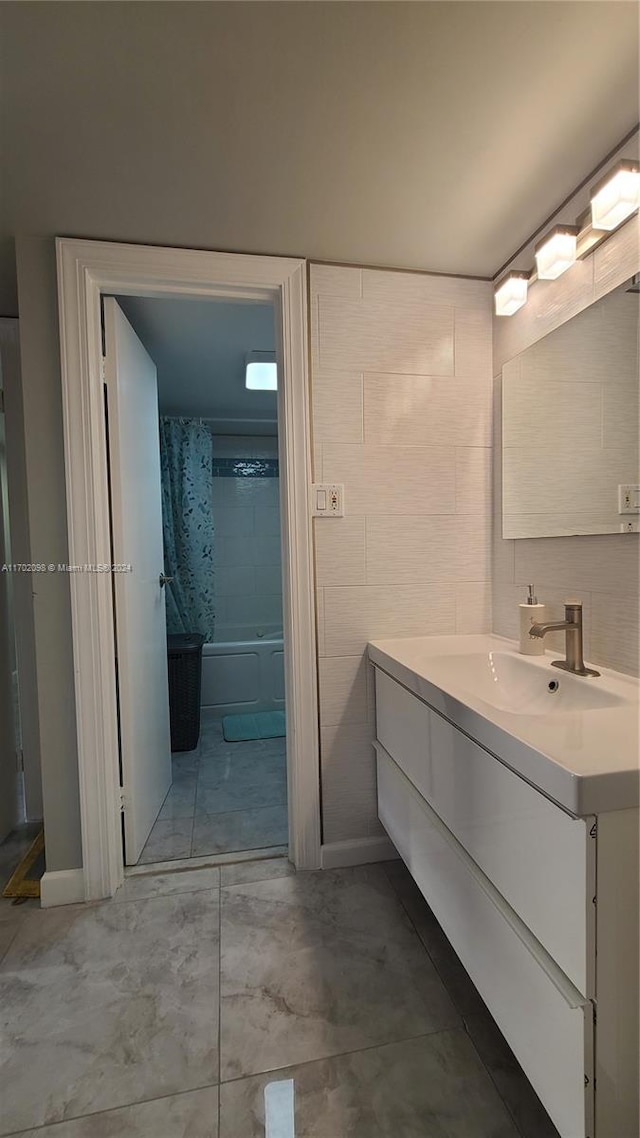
(547, 1022)
(539, 858)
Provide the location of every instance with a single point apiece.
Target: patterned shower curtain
(186, 461)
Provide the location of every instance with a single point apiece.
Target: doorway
(220, 500)
(89, 271)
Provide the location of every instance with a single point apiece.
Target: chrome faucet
(572, 627)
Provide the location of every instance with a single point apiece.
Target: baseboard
(359, 851)
(62, 887)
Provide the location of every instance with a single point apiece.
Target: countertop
(587, 761)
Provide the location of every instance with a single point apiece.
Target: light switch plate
(327, 500)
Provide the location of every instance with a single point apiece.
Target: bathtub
(243, 670)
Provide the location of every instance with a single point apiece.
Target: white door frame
(86, 269)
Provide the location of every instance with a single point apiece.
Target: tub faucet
(572, 628)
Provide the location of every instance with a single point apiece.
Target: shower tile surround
(246, 512)
(401, 413)
(604, 570)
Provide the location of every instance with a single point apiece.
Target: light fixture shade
(511, 293)
(261, 372)
(616, 196)
(557, 252)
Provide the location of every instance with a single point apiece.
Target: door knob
(164, 580)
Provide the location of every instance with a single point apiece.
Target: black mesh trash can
(184, 651)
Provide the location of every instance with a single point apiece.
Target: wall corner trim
(62, 887)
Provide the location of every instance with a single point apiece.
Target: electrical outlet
(327, 500)
(629, 499)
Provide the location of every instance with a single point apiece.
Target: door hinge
(593, 832)
(122, 798)
(103, 368)
(19, 759)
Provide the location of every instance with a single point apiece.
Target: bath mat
(25, 879)
(260, 725)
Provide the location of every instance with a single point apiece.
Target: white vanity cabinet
(514, 881)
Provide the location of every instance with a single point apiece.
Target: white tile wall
(343, 690)
(431, 548)
(385, 335)
(337, 407)
(473, 607)
(401, 382)
(247, 557)
(340, 551)
(473, 480)
(421, 410)
(353, 616)
(348, 783)
(392, 480)
(603, 571)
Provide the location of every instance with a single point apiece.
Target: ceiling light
(511, 293)
(261, 372)
(615, 197)
(556, 252)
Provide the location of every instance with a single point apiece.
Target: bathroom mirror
(570, 424)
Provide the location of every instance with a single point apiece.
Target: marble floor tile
(210, 723)
(185, 763)
(432, 1087)
(221, 768)
(164, 884)
(221, 778)
(180, 801)
(238, 793)
(8, 930)
(190, 1115)
(239, 830)
(169, 838)
(208, 860)
(108, 1005)
(454, 976)
(318, 964)
(240, 873)
(275, 747)
(212, 748)
(513, 1086)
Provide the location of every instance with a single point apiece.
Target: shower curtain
(186, 463)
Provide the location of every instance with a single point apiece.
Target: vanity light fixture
(557, 252)
(511, 293)
(613, 199)
(616, 196)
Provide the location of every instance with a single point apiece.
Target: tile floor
(194, 1001)
(225, 797)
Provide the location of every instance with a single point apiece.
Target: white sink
(578, 742)
(522, 685)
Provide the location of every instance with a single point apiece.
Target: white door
(8, 770)
(141, 649)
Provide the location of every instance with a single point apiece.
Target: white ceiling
(199, 348)
(434, 135)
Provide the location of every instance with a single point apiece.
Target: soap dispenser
(531, 613)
